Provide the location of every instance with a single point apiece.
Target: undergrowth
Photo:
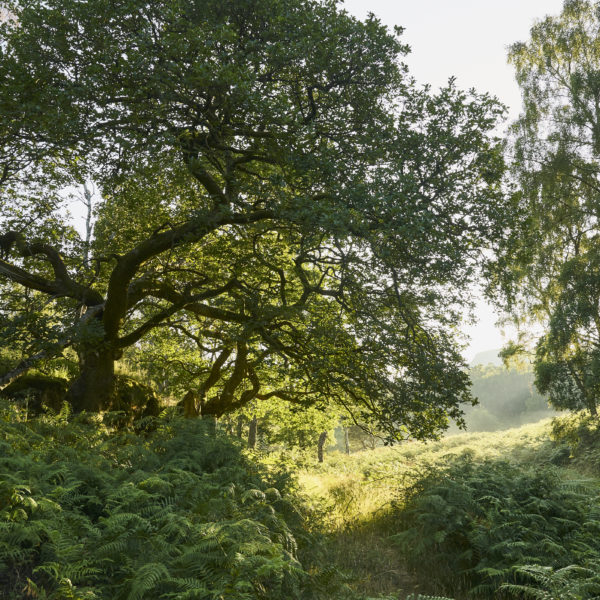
(175, 513)
(179, 511)
(481, 525)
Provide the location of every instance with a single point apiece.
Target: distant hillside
(507, 398)
(487, 357)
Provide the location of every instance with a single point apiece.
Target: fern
(572, 582)
(475, 524)
(176, 514)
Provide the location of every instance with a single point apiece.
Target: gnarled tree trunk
(93, 389)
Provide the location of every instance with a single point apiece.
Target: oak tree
(278, 195)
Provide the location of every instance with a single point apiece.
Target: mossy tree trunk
(93, 389)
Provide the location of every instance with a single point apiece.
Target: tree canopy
(278, 197)
(548, 259)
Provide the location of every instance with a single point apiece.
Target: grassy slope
(354, 494)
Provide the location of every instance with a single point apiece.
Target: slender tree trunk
(252, 433)
(93, 390)
(88, 203)
(346, 440)
(321, 445)
(240, 426)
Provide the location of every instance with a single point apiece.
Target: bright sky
(467, 39)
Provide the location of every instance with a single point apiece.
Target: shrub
(580, 432)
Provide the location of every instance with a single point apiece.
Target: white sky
(467, 39)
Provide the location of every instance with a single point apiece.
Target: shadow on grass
(375, 568)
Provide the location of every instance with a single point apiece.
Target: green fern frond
(146, 579)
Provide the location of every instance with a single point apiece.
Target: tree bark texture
(252, 431)
(321, 445)
(94, 387)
